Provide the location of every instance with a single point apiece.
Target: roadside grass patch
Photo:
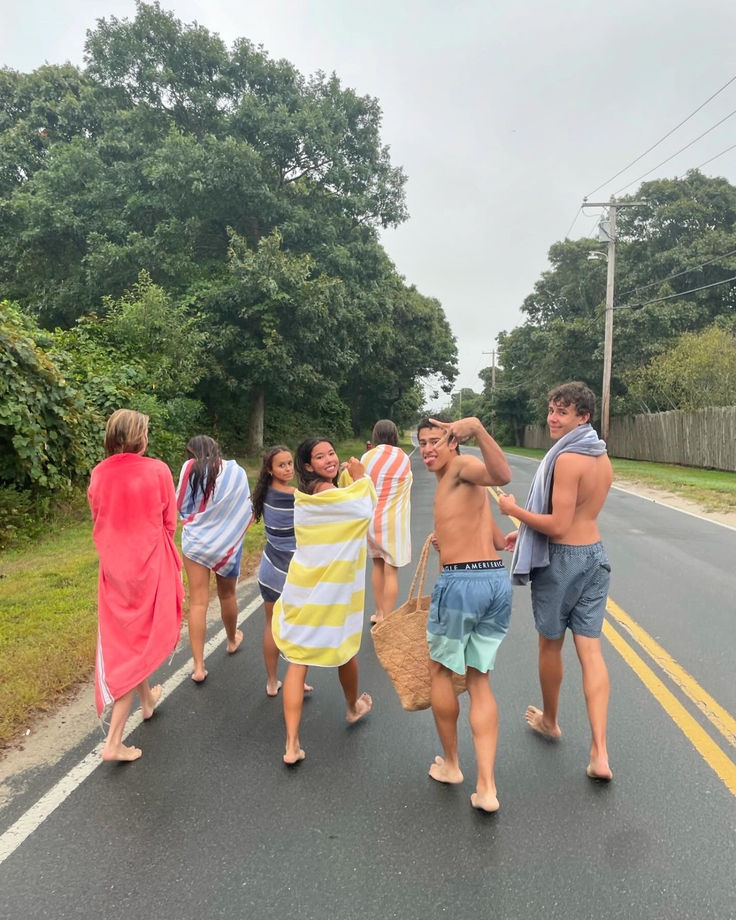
(48, 623)
(715, 490)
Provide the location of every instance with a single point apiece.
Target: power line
(685, 271)
(663, 138)
(695, 140)
(704, 287)
(727, 150)
(574, 221)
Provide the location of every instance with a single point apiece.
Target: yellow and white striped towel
(318, 620)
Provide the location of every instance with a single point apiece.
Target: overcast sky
(504, 115)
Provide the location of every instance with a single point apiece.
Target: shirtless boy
(471, 601)
(570, 591)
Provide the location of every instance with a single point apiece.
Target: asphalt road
(210, 824)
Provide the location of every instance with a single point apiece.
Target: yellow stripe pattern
(318, 620)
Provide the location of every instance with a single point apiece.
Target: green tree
(279, 330)
(699, 371)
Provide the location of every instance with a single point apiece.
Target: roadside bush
(47, 431)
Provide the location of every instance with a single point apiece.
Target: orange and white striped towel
(389, 536)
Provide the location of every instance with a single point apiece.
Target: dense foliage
(196, 229)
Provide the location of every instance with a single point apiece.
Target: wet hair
(385, 432)
(206, 466)
(264, 479)
(126, 432)
(426, 423)
(308, 479)
(575, 394)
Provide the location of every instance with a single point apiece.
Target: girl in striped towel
(318, 620)
(273, 500)
(214, 503)
(389, 536)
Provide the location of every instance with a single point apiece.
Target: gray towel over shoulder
(532, 547)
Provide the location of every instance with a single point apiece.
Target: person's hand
(355, 468)
(506, 503)
(510, 543)
(433, 540)
(462, 430)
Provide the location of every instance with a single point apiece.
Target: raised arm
(497, 471)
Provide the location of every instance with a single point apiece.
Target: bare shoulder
(574, 466)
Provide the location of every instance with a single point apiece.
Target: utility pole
(492, 353)
(612, 205)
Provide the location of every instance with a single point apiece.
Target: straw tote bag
(400, 642)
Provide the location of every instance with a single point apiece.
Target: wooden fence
(705, 438)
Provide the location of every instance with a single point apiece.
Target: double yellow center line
(719, 718)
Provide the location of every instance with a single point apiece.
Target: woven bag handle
(421, 569)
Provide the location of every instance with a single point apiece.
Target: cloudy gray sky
(504, 115)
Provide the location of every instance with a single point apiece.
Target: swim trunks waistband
(472, 566)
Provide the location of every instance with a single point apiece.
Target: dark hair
(264, 479)
(206, 466)
(426, 423)
(575, 394)
(308, 479)
(385, 432)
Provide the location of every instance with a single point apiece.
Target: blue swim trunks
(571, 592)
(469, 615)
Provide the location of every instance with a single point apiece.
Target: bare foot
(308, 688)
(363, 705)
(149, 705)
(535, 719)
(200, 676)
(121, 752)
(443, 773)
(233, 646)
(599, 769)
(291, 758)
(486, 802)
(273, 689)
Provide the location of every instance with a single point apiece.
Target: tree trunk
(255, 429)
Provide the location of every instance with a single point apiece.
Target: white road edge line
(50, 801)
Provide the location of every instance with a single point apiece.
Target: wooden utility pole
(612, 205)
(492, 353)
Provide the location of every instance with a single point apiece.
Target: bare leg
(377, 582)
(445, 709)
(114, 748)
(198, 578)
(484, 723)
(270, 653)
(544, 721)
(149, 697)
(229, 611)
(293, 701)
(390, 587)
(596, 688)
(357, 705)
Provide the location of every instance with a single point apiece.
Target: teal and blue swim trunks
(469, 615)
(571, 591)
